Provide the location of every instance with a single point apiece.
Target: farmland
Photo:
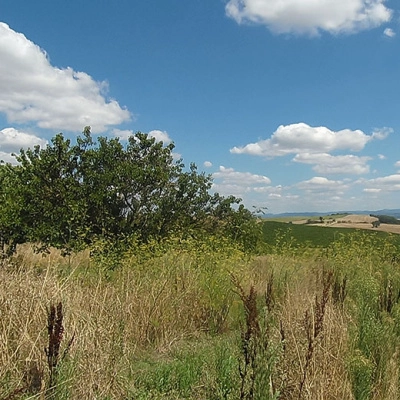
(322, 235)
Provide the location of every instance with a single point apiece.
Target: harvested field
(358, 221)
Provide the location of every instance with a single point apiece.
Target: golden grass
(151, 308)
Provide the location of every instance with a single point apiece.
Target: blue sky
(292, 105)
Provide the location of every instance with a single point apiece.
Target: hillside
(355, 221)
(391, 212)
(360, 221)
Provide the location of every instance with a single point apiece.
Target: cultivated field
(354, 221)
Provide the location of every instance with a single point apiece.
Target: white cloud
(385, 183)
(160, 136)
(229, 175)
(122, 134)
(207, 164)
(13, 140)
(7, 158)
(389, 32)
(32, 90)
(381, 133)
(371, 190)
(328, 164)
(389, 180)
(381, 157)
(322, 184)
(311, 16)
(275, 196)
(227, 181)
(302, 138)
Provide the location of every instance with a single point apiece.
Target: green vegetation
(151, 288)
(71, 196)
(387, 219)
(190, 319)
(312, 236)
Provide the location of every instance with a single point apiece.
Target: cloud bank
(34, 91)
(310, 16)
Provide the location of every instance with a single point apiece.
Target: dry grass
(310, 341)
(316, 346)
(289, 312)
(152, 305)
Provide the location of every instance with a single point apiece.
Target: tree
(68, 195)
(376, 224)
(49, 184)
(12, 230)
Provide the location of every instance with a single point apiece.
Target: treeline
(386, 219)
(70, 195)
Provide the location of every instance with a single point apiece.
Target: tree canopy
(68, 195)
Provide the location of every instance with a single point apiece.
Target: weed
(55, 331)
(361, 369)
(339, 291)
(258, 355)
(313, 325)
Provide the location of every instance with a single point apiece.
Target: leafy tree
(49, 190)
(68, 195)
(11, 209)
(386, 219)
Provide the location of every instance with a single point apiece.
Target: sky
(292, 105)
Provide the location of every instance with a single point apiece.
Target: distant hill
(390, 212)
(393, 213)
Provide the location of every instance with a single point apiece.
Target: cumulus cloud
(207, 164)
(32, 90)
(229, 175)
(13, 140)
(312, 145)
(7, 158)
(274, 196)
(387, 183)
(397, 164)
(310, 16)
(371, 190)
(160, 136)
(302, 138)
(327, 164)
(227, 181)
(122, 134)
(389, 32)
(322, 184)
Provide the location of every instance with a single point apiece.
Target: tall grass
(200, 320)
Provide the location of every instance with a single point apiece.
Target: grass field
(311, 318)
(312, 236)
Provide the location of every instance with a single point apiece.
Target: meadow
(315, 315)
